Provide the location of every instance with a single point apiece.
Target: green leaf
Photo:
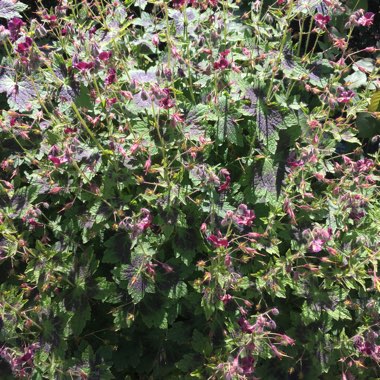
(79, 319)
(356, 80)
(178, 291)
(340, 312)
(309, 313)
(368, 125)
(374, 105)
(366, 63)
(201, 343)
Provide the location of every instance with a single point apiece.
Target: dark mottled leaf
(267, 180)
(136, 281)
(288, 59)
(20, 94)
(267, 121)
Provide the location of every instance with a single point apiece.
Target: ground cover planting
(189, 189)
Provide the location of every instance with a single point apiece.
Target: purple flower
(166, 102)
(14, 27)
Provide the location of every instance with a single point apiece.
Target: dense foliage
(189, 189)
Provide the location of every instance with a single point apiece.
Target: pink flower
(147, 165)
(155, 40)
(244, 216)
(178, 3)
(316, 246)
(321, 20)
(360, 18)
(57, 161)
(287, 340)
(366, 19)
(176, 118)
(226, 298)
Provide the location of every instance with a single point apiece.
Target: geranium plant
(189, 189)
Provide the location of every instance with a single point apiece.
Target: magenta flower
(84, 66)
(111, 76)
(223, 63)
(166, 102)
(344, 96)
(14, 27)
(57, 161)
(247, 365)
(24, 47)
(321, 20)
(226, 185)
(105, 55)
(218, 241)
